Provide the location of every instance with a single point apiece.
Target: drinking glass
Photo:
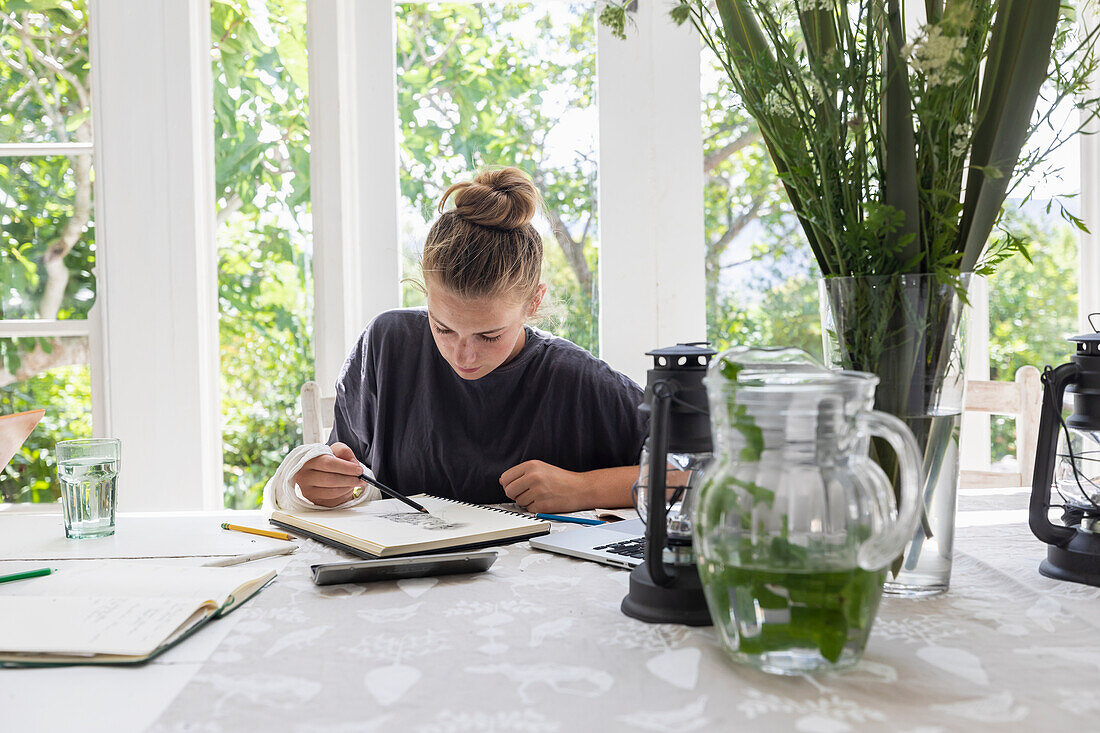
(88, 471)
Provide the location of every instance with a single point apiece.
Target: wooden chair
(317, 414)
(1023, 399)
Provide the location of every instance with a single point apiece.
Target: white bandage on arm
(283, 494)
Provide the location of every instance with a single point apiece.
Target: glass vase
(909, 330)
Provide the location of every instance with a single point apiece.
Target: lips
(467, 371)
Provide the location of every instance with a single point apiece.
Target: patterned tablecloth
(539, 644)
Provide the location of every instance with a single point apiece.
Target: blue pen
(575, 520)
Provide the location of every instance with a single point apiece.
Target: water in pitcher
(88, 488)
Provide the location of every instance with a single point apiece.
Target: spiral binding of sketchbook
(387, 528)
(488, 507)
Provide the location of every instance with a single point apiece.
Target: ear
(536, 301)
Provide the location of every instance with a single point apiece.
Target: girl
(461, 399)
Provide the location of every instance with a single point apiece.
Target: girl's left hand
(539, 487)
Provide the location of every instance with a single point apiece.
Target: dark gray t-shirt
(422, 428)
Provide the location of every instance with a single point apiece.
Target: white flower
(936, 56)
(961, 142)
(817, 95)
(778, 105)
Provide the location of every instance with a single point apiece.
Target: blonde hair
(486, 245)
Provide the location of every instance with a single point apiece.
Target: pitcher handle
(881, 549)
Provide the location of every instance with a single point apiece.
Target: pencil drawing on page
(418, 519)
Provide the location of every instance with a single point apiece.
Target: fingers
(518, 485)
(342, 451)
(334, 465)
(525, 498)
(515, 472)
(329, 480)
(326, 479)
(327, 501)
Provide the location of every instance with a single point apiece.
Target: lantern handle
(662, 394)
(1095, 328)
(1054, 389)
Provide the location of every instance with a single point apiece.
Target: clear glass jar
(795, 524)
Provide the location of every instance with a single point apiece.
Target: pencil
(253, 530)
(238, 559)
(391, 493)
(574, 520)
(26, 574)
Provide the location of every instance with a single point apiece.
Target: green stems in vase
(910, 331)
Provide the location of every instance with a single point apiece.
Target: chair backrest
(317, 414)
(1022, 398)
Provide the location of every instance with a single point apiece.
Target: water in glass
(88, 488)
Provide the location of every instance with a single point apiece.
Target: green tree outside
(47, 232)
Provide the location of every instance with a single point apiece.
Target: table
(539, 644)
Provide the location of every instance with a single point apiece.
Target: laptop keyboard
(634, 547)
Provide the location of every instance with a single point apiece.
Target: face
(476, 335)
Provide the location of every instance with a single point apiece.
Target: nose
(466, 354)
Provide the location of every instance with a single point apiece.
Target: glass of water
(88, 470)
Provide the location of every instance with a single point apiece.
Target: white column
(652, 244)
(353, 173)
(974, 436)
(1088, 274)
(156, 258)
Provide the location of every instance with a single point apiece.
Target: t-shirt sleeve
(632, 425)
(356, 399)
(616, 429)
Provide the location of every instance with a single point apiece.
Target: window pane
(265, 283)
(44, 73)
(505, 84)
(761, 278)
(43, 373)
(47, 237)
(1032, 305)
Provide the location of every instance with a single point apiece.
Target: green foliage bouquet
(898, 130)
(897, 149)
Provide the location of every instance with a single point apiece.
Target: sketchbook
(117, 613)
(389, 528)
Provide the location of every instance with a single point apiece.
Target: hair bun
(504, 198)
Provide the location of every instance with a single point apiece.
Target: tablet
(365, 571)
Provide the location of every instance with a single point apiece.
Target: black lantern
(1068, 461)
(666, 587)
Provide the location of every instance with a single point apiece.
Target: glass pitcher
(795, 524)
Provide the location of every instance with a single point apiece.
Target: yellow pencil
(252, 530)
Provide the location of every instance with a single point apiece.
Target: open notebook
(115, 613)
(387, 528)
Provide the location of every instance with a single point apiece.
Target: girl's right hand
(330, 480)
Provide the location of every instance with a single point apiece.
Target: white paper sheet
(42, 537)
(85, 626)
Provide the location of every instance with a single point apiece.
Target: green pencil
(26, 574)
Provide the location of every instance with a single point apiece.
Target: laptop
(621, 544)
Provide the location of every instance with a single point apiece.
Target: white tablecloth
(539, 644)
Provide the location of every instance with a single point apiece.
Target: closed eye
(483, 337)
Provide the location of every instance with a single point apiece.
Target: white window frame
(156, 257)
(86, 328)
